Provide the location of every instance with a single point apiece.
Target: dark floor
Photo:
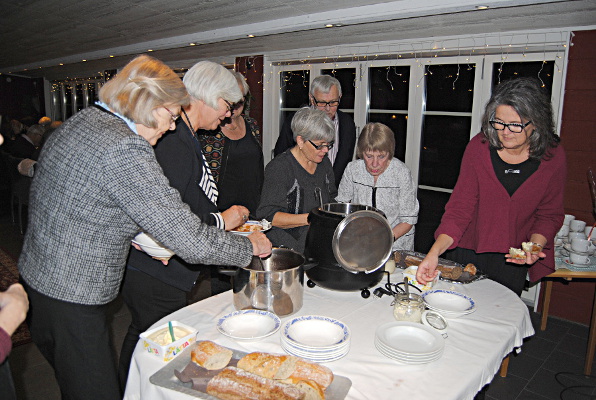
(557, 353)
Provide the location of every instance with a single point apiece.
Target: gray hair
(323, 84)
(313, 124)
(241, 81)
(209, 81)
(531, 103)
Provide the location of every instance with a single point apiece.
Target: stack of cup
(580, 251)
(563, 233)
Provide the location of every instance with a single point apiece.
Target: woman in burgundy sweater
(509, 191)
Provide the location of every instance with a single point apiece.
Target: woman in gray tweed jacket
(96, 186)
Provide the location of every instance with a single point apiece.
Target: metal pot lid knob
(362, 242)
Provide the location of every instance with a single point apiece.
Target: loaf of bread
(412, 260)
(311, 390)
(290, 369)
(236, 384)
(272, 366)
(450, 272)
(310, 371)
(210, 355)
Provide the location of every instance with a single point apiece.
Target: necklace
(192, 130)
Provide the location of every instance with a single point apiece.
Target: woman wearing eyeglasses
(379, 180)
(509, 190)
(235, 156)
(299, 179)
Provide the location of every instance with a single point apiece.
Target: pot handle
(309, 263)
(230, 271)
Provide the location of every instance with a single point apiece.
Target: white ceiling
(38, 35)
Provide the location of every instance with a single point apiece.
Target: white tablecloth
(474, 349)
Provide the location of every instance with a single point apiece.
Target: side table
(570, 275)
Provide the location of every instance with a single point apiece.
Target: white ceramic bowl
(152, 246)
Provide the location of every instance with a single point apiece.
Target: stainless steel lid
(362, 241)
(344, 209)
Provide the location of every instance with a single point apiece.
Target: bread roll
(450, 272)
(236, 384)
(517, 253)
(210, 355)
(471, 269)
(271, 366)
(310, 371)
(531, 247)
(311, 389)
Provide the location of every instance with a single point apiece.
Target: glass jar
(408, 307)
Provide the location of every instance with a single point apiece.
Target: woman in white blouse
(378, 179)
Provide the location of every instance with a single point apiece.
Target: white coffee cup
(564, 231)
(588, 229)
(576, 235)
(577, 226)
(580, 259)
(580, 245)
(568, 219)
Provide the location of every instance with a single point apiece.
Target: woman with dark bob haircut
(509, 191)
(97, 185)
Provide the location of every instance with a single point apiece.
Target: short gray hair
(323, 84)
(313, 124)
(242, 82)
(209, 81)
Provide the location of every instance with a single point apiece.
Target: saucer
(568, 262)
(567, 247)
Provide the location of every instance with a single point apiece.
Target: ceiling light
(481, 7)
(61, 63)
(84, 60)
(329, 26)
(111, 56)
(250, 36)
(150, 50)
(192, 44)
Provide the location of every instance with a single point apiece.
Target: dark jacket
(179, 154)
(347, 141)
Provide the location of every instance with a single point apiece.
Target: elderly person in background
(26, 144)
(235, 155)
(379, 180)
(149, 290)
(299, 179)
(96, 186)
(325, 95)
(509, 191)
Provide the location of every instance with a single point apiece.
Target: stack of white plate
(409, 342)
(448, 303)
(316, 338)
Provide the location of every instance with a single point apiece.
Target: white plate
(410, 338)
(448, 300)
(249, 324)
(264, 224)
(151, 246)
(316, 331)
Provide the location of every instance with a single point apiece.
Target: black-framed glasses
(229, 105)
(515, 128)
(172, 115)
(238, 105)
(332, 103)
(320, 146)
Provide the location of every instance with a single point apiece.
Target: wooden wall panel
(573, 300)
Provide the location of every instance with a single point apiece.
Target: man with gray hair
(325, 95)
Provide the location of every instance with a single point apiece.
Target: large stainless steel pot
(275, 283)
(348, 245)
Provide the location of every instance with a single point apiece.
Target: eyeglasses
(320, 146)
(172, 115)
(229, 105)
(332, 103)
(238, 105)
(515, 128)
